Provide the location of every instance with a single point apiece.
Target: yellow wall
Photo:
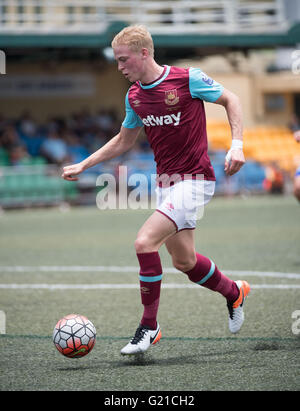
(242, 86)
(285, 83)
(251, 89)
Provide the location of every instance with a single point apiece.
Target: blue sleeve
(204, 87)
(131, 120)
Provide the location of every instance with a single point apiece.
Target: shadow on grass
(147, 359)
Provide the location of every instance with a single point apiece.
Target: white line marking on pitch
(129, 286)
(131, 269)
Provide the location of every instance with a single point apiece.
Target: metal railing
(162, 17)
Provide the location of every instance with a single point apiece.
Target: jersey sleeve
(131, 119)
(204, 87)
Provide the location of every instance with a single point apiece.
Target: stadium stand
(32, 153)
(262, 144)
(29, 177)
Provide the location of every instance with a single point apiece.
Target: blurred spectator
(18, 155)
(94, 140)
(107, 121)
(76, 151)
(104, 121)
(33, 143)
(55, 149)
(60, 139)
(274, 181)
(26, 125)
(9, 137)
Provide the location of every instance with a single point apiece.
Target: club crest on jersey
(171, 97)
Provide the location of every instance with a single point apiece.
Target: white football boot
(142, 340)
(235, 309)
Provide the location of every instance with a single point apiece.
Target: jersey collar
(158, 81)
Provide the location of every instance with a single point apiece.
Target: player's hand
(69, 172)
(234, 160)
(297, 136)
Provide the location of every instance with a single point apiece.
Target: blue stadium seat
(252, 176)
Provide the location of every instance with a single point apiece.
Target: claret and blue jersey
(172, 112)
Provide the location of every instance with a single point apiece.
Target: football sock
(207, 274)
(150, 282)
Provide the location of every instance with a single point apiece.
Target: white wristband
(236, 143)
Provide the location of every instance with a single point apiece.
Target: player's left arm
(235, 158)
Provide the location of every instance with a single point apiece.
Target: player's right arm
(118, 145)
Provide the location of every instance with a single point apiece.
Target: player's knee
(183, 265)
(143, 244)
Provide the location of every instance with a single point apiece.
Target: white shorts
(183, 203)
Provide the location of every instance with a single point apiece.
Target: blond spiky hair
(135, 37)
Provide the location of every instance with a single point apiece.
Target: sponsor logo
(152, 120)
(77, 352)
(145, 290)
(209, 81)
(153, 338)
(171, 97)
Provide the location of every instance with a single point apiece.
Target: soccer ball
(74, 336)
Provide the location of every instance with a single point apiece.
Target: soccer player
(168, 103)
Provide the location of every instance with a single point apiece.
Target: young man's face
(130, 63)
